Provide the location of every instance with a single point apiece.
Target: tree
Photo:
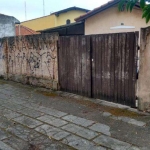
(129, 4)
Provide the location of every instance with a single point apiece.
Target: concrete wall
(103, 21)
(52, 20)
(32, 60)
(40, 23)
(7, 26)
(71, 15)
(144, 73)
(1, 60)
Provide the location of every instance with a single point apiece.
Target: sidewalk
(37, 119)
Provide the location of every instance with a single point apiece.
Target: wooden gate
(74, 65)
(114, 67)
(100, 66)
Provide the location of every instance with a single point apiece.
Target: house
(108, 19)
(22, 30)
(59, 18)
(7, 25)
(67, 30)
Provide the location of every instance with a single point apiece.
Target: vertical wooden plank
(71, 65)
(59, 61)
(135, 69)
(80, 65)
(112, 74)
(108, 66)
(116, 69)
(123, 68)
(67, 63)
(94, 65)
(88, 67)
(103, 65)
(75, 64)
(96, 62)
(98, 66)
(131, 66)
(127, 70)
(119, 67)
(84, 75)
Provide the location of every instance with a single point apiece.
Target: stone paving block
(47, 130)
(32, 105)
(53, 112)
(23, 132)
(112, 143)
(137, 123)
(45, 143)
(5, 123)
(60, 135)
(13, 106)
(102, 128)
(4, 146)
(134, 148)
(81, 144)
(71, 128)
(46, 117)
(52, 121)
(31, 123)
(31, 112)
(106, 114)
(16, 143)
(52, 132)
(78, 120)
(125, 119)
(83, 132)
(3, 135)
(11, 114)
(130, 121)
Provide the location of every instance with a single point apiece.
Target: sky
(34, 8)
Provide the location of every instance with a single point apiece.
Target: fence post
(144, 71)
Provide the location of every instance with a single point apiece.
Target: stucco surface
(31, 60)
(7, 26)
(144, 73)
(112, 17)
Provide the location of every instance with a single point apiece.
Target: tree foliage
(129, 4)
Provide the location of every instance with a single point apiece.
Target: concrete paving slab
(83, 132)
(78, 120)
(112, 143)
(30, 122)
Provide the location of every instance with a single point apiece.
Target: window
(68, 21)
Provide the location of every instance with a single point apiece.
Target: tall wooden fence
(100, 66)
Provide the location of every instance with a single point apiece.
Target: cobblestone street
(34, 119)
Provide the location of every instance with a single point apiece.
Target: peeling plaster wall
(32, 60)
(1, 60)
(7, 26)
(144, 72)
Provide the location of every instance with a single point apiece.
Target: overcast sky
(34, 8)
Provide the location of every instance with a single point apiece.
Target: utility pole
(43, 8)
(25, 10)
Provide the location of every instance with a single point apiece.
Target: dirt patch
(45, 93)
(114, 111)
(2, 82)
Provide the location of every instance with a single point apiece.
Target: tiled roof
(98, 9)
(24, 30)
(71, 8)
